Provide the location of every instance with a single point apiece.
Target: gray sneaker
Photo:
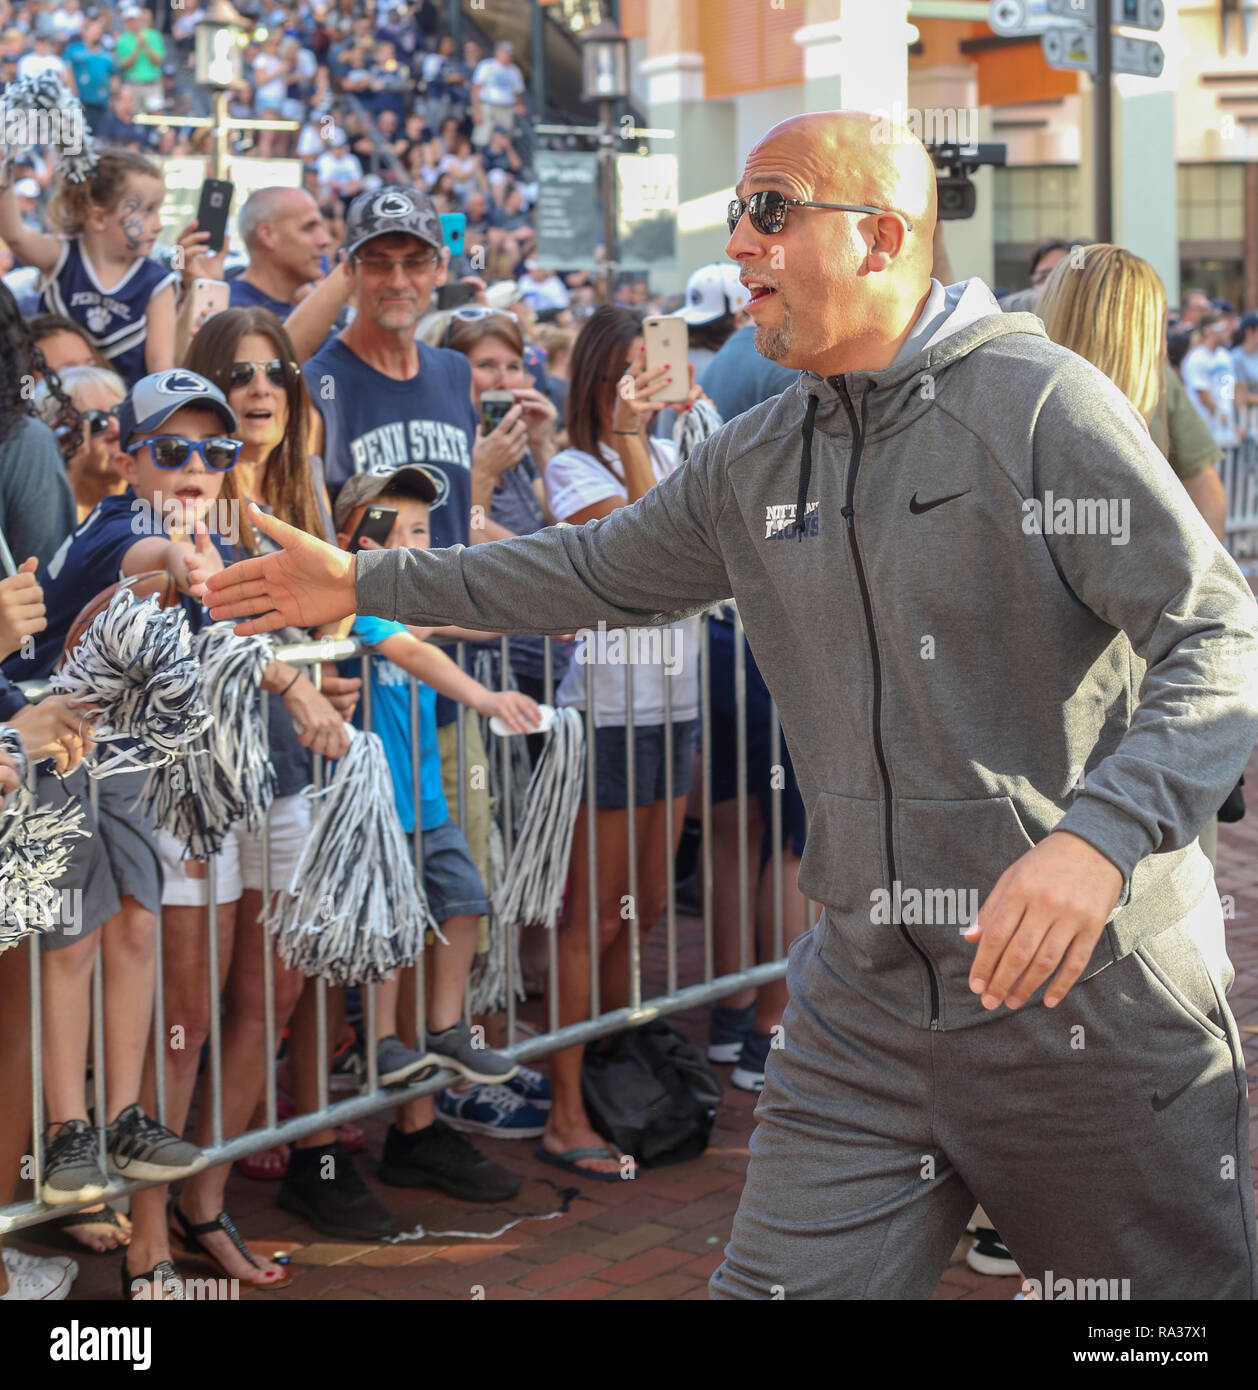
(399, 1065)
(139, 1147)
(72, 1171)
(455, 1049)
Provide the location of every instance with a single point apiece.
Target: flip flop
(568, 1161)
(60, 1228)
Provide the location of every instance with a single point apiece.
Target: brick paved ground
(658, 1237)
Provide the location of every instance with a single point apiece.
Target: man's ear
(443, 269)
(887, 244)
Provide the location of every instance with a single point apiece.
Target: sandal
(570, 1162)
(163, 1273)
(62, 1227)
(187, 1239)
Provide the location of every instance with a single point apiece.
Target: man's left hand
(1047, 909)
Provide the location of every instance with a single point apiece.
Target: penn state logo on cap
(392, 204)
(178, 382)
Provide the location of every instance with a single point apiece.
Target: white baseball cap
(712, 292)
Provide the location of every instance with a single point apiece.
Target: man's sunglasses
(242, 373)
(767, 211)
(172, 451)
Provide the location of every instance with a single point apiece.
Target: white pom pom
(135, 668)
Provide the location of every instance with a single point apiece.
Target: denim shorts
(611, 765)
(452, 882)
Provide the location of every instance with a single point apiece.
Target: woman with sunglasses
(92, 451)
(248, 352)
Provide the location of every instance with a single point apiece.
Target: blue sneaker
(498, 1111)
(533, 1086)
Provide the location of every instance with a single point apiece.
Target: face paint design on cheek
(132, 222)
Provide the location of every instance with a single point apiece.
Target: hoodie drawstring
(805, 464)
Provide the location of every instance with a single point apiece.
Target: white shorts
(238, 865)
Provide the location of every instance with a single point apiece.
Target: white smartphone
(667, 340)
(208, 297)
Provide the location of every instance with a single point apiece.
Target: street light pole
(1103, 127)
(607, 155)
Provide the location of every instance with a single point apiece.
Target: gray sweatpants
(1108, 1138)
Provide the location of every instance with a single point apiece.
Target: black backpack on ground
(651, 1093)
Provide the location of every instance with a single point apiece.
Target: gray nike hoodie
(1001, 616)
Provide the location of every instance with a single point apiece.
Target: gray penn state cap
(389, 211)
(155, 398)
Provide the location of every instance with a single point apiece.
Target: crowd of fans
(339, 384)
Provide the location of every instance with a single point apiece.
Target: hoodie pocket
(949, 855)
(844, 857)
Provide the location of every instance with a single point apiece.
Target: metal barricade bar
(678, 995)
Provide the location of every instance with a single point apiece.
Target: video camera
(954, 164)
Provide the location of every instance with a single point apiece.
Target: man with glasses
(1007, 736)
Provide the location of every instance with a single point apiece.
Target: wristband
(633, 432)
(291, 683)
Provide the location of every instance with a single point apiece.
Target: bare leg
(130, 959)
(245, 1060)
(185, 979)
(567, 1125)
(66, 976)
(726, 889)
(303, 1051)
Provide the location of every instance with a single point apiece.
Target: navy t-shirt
(374, 424)
(242, 295)
(89, 561)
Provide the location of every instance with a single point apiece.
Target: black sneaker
(138, 1147)
(348, 1071)
(989, 1254)
(324, 1188)
(72, 1171)
(438, 1157)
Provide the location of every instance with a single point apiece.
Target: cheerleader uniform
(115, 318)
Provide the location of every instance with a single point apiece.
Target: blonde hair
(73, 380)
(1111, 310)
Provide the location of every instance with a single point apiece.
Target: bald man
(287, 242)
(1009, 719)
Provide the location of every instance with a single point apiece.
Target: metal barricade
(1239, 471)
(674, 992)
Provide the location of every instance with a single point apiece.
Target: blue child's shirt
(389, 688)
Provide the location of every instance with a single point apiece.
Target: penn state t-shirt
(374, 424)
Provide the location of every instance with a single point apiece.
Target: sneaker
(727, 1029)
(23, 1259)
(323, 1187)
(438, 1157)
(533, 1086)
(988, 1254)
(34, 1280)
(748, 1075)
(498, 1110)
(399, 1065)
(455, 1049)
(349, 1068)
(138, 1147)
(72, 1171)
(688, 895)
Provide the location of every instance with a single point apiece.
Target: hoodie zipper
(849, 515)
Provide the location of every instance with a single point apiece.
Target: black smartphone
(493, 407)
(455, 296)
(376, 525)
(213, 211)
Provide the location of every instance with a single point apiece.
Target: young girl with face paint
(100, 273)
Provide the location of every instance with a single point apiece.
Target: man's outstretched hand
(1047, 910)
(305, 584)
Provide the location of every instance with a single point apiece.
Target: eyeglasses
(172, 451)
(98, 421)
(243, 373)
(767, 211)
(473, 313)
(411, 265)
